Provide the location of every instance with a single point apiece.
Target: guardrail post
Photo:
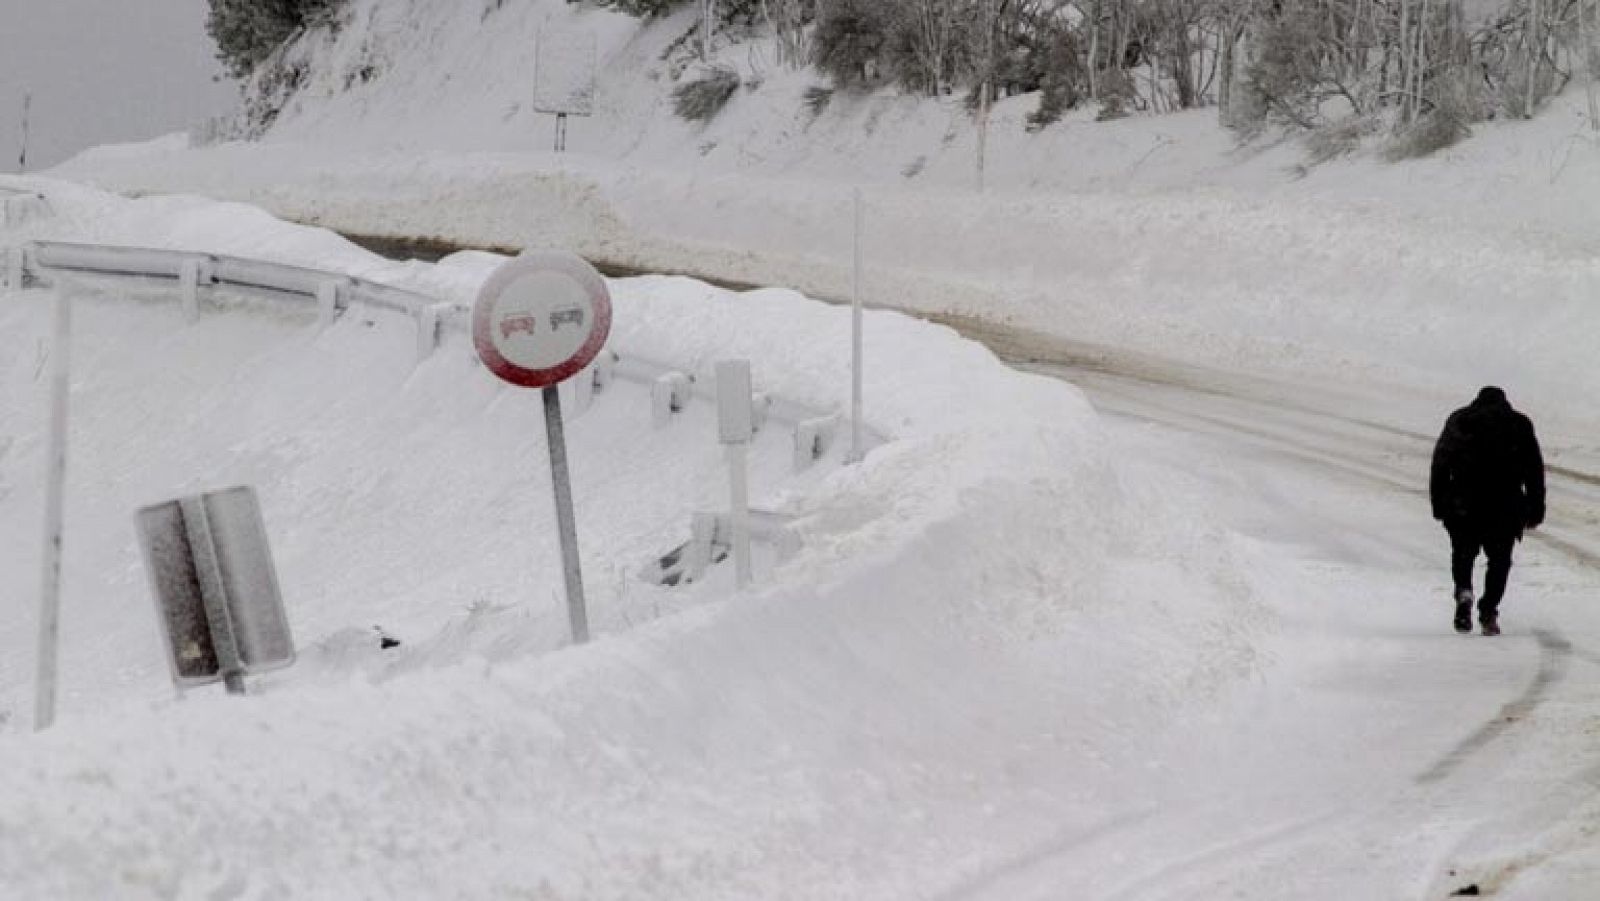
(583, 389)
(813, 438)
(327, 303)
(189, 285)
(761, 410)
(605, 370)
(428, 321)
(16, 272)
(669, 395)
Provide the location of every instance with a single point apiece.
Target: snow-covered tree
(248, 31)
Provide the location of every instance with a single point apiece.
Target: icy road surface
(1395, 741)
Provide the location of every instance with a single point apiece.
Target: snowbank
(981, 600)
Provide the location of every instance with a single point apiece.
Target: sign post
(564, 77)
(540, 319)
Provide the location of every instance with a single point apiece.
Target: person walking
(1487, 486)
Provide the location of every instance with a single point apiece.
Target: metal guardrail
(18, 205)
(334, 293)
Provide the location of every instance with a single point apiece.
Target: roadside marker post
(539, 320)
(736, 426)
(857, 352)
(44, 707)
(16, 268)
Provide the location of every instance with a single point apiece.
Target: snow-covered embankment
(932, 656)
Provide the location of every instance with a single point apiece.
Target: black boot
(1491, 626)
(1464, 611)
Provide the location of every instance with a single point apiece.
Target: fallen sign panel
(211, 570)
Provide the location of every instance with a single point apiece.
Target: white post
(44, 711)
(856, 344)
(429, 321)
(27, 107)
(327, 303)
(15, 270)
(735, 427)
(189, 285)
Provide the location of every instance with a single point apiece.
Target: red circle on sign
(529, 265)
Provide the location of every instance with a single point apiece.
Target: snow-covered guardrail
(334, 293)
(18, 206)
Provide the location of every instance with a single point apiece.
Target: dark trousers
(1467, 539)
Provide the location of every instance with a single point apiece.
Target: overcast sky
(103, 71)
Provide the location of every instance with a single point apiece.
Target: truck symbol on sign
(523, 322)
(566, 316)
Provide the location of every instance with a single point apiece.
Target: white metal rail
(815, 430)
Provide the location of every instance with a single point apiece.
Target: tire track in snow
(1222, 853)
(1554, 654)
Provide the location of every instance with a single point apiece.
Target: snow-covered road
(1420, 736)
(1474, 755)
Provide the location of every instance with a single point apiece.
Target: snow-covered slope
(1154, 236)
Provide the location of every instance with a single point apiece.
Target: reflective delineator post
(189, 288)
(16, 269)
(856, 349)
(736, 426)
(44, 710)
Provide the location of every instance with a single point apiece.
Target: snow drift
(932, 655)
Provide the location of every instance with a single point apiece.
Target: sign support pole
(44, 710)
(213, 594)
(561, 481)
(739, 509)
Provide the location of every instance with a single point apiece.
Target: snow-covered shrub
(1340, 137)
(248, 31)
(1289, 75)
(817, 98)
(642, 8)
(701, 99)
(1457, 103)
(848, 41)
(1432, 132)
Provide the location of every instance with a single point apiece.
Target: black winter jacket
(1487, 468)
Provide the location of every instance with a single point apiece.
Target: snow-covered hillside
(1148, 236)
